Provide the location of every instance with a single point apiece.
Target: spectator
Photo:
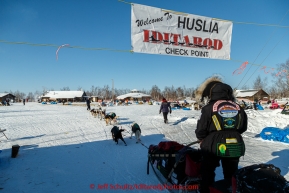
(165, 109)
(88, 104)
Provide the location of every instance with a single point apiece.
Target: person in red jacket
(219, 130)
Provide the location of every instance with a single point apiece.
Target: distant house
(4, 96)
(94, 98)
(73, 96)
(252, 94)
(134, 95)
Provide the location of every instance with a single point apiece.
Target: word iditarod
(157, 31)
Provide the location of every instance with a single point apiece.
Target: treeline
(107, 93)
(278, 88)
(170, 93)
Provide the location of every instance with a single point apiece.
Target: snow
(63, 148)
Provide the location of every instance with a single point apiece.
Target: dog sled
(178, 168)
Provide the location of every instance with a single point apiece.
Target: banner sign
(159, 31)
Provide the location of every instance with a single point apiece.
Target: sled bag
(170, 146)
(193, 164)
(259, 178)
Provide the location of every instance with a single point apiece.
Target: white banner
(159, 31)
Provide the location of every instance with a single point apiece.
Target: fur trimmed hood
(214, 89)
(201, 91)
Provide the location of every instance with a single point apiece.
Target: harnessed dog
(111, 117)
(94, 112)
(101, 114)
(135, 129)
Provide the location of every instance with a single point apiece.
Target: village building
(252, 95)
(60, 96)
(94, 98)
(5, 96)
(134, 95)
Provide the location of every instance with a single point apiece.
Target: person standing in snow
(88, 104)
(219, 130)
(255, 104)
(23, 101)
(165, 109)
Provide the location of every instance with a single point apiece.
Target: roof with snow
(133, 95)
(134, 90)
(4, 94)
(245, 93)
(64, 94)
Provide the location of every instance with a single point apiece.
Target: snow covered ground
(65, 149)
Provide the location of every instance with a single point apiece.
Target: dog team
(111, 119)
(116, 133)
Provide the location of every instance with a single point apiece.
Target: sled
(259, 107)
(175, 165)
(178, 169)
(274, 106)
(285, 109)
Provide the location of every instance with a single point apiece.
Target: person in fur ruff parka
(219, 130)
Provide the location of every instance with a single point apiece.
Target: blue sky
(107, 24)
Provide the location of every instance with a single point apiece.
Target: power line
(267, 56)
(261, 51)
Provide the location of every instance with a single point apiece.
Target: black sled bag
(259, 178)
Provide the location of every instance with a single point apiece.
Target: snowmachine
(285, 109)
(246, 105)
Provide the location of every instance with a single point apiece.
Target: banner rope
(53, 45)
(125, 2)
(100, 49)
